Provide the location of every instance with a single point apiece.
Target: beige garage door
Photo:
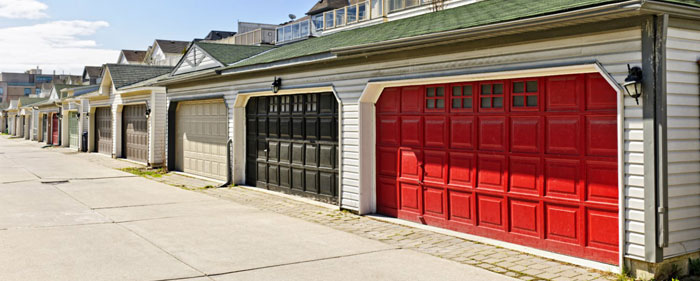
(202, 133)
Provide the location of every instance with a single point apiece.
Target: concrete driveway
(65, 218)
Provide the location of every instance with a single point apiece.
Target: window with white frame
(348, 15)
(293, 31)
(395, 5)
(317, 22)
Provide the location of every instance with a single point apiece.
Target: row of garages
(527, 139)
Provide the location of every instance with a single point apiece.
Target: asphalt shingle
(125, 74)
(172, 47)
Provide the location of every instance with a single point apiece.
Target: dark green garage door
(292, 144)
(74, 137)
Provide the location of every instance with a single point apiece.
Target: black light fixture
(276, 85)
(633, 82)
(148, 111)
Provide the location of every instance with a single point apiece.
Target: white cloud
(22, 9)
(57, 45)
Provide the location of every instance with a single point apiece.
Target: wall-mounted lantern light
(276, 85)
(148, 111)
(633, 82)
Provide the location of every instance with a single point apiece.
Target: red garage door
(54, 129)
(528, 161)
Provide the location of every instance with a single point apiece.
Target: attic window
(350, 14)
(395, 5)
(293, 31)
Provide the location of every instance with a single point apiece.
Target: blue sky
(100, 27)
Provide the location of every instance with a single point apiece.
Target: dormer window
(348, 15)
(340, 17)
(352, 14)
(293, 31)
(395, 5)
(330, 23)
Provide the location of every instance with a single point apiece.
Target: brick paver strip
(503, 261)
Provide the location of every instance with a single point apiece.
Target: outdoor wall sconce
(276, 85)
(148, 111)
(78, 115)
(633, 82)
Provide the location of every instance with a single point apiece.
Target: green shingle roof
(126, 74)
(467, 16)
(26, 101)
(228, 53)
(60, 87)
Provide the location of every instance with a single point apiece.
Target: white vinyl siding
(683, 101)
(196, 59)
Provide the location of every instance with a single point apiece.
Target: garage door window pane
(492, 96)
(435, 98)
(285, 103)
(532, 101)
(518, 101)
(311, 103)
(298, 104)
(525, 95)
(532, 86)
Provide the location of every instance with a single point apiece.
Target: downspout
(655, 138)
(60, 123)
(229, 163)
(229, 149)
(662, 128)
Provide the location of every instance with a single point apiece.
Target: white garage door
(202, 133)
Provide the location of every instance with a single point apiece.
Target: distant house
(91, 74)
(250, 33)
(131, 57)
(166, 52)
(218, 35)
(125, 120)
(32, 83)
(74, 121)
(3, 118)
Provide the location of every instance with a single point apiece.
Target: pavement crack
(146, 205)
(103, 178)
(163, 250)
(184, 278)
(13, 182)
(34, 174)
(57, 226)
(303, 262)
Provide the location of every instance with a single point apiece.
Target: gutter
(668, 8)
